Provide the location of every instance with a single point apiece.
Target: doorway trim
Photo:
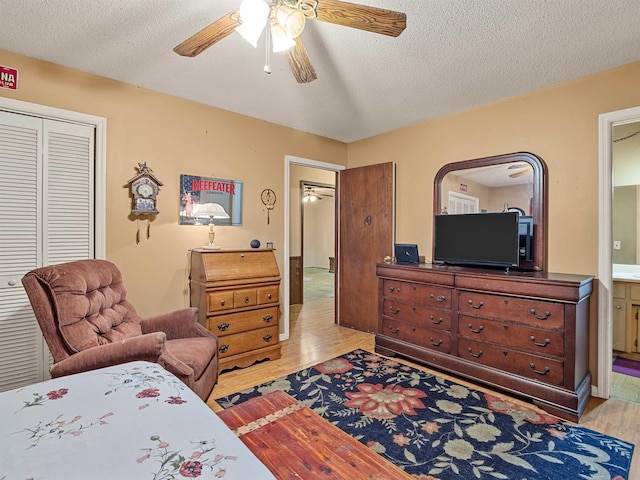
(606, 122)
(305, 162)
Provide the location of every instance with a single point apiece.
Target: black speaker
(525, 231)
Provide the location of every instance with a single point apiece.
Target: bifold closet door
(46, 217)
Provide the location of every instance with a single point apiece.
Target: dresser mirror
(511, 182)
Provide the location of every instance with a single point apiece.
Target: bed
(130, 421)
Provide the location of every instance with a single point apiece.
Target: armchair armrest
(149, 347)
(177, 324)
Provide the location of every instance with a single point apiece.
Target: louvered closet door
(46, 217)
(68, 192)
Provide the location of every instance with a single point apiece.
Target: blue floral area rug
(436, 429)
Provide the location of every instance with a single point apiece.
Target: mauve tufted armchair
(88, 323)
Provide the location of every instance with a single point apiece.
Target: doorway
(293, 185)
(607, 122)
(318, 220)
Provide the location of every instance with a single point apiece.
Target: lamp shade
(209, 210)
(281, 42)
(291, 20)
(253, 15)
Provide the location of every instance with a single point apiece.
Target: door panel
(365, 204)
(295, 280)
(21, 345)
(46, 217)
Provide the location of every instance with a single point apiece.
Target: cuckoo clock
(144, 190)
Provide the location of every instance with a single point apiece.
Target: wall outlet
(617, 244)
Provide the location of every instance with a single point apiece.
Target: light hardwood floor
(314, 337)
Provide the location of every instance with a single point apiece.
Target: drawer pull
(393, 289)
(435, 344)
(475, 355)
(223, 348)
(223, 326)
(267, 318)
(440, 298)
(222, 302)
(480, 305)
(267, 337)
(394, 310)
(546, 342)
(246, 299)
(540, 317)
(394, 330)
(269, 296)
(436, 322)
(478, 330)
(533, 367)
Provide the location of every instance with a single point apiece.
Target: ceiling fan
(524, 169)
(313, 193)
(286, 20)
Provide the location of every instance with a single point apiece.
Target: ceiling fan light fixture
(253, 15)
(281, 42)
(291, 20)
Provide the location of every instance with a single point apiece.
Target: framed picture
(202, 198)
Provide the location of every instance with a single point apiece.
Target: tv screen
(490, 239)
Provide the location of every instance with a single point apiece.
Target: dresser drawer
(268, 295)
(430, 338)
(534, 340)
(232, 323)
(543, 369)
(532, 312)
(219, 301)
(243, 342)
(417, 315)
(245, 298)
(418, 293)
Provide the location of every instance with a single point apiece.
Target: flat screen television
(484, 239)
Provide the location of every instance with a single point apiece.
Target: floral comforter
(132, 421)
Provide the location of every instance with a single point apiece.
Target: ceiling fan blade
(209, 35)
(520, 174)
(371, 19)
(518, 165)
(300, 63)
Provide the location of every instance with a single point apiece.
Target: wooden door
(365, 209)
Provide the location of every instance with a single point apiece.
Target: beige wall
(173, 136)
(559, 124)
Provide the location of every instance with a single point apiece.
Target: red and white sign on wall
(8, 78)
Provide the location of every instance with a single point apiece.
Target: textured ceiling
(454, 55)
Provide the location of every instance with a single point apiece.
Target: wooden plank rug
(436, 429)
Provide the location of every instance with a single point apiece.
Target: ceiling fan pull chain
(267, 52)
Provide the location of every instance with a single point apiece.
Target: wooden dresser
(237, 292)
(523, 332)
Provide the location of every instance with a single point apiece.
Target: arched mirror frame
(538, 201)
